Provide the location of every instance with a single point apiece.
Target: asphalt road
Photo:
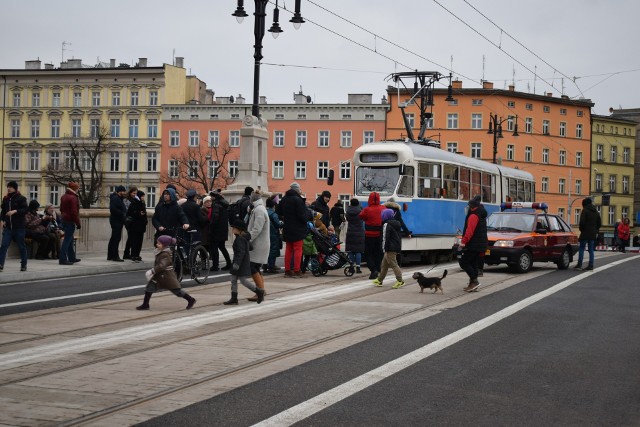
(571, 358)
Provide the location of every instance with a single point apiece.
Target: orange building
(305, 142)
(553, 142)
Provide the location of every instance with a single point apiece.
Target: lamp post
(495, 129)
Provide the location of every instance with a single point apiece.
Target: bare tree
(81, 162)
(202, 168)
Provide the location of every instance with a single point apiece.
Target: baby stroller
(329, 257)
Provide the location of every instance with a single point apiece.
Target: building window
(94, 128)
(579, 131)
(578, 186)
(35, 99)
(115, 98)
(14, 160)
(115, 128)
(279, 116)
(545, 184)
(578, 158)
(366, 116)
(214, 138)
(476, 121)
(412, 120)
(546, 109)
(626, 155)
(563, 129)
(326, 116)
(153, 97)
(528, 125)
(511, 120)
(428, 123)
(194, 138)
(197, 116)
(527, 154)
(545, 127)
(234, 138)
(600, 152)
(278, 138)
(134, 98)
(174, 138)
(545, 155)
(77, 99)
(598, 183)
(300, 169)
(576, 216)
(16, 99)
(34, 160)
(151, 196)
(612, 183)
(212, 168)
(192, 168)
(54, 195)
(345, 139)
(476, 150)
(55, 99)
(625, 185)
(15, 128)
(233, 168)
(55, 128)
(70, 162)
(214, 117)
(114, 161)
(152, 128)
(76, 128)
(511, 104)
(346, 117)
(133, 161)
(476, 102)
(625, 212)
(302, 116)
(452, 147)
(323, 138)
(152, 161)
(133, 128)
(54, 160)
(277, 171)
(345, 170)
(563, 158)
(301, 138)
(35, 128)
(528, 106)
(323, 170)
(173, 169)
(614, 154)
(452, 121)
(369, 136)
(561, 213)
(561, 185)
(612, 215)
(33, 192)
(579, 113)
(95, 99)
(510, 151)
(563, 111)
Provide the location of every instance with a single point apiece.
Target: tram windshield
(382, 180)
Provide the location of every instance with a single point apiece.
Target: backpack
(236, 211)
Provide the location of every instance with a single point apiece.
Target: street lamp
(129, 145)
(495, 129)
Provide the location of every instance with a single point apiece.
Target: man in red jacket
(372, 217)
(70, 212)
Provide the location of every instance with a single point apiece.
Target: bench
(31, 249)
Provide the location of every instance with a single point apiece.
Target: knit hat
(33, 205)
(587, 202)
(391, 199)
(354, 202)
(171, 186)
(248, 191)
(13, 185)
(387, 214)
(206, 199)
(475, 202)
(73, 185)
(166, 240)
(239, 224)
(120, 188)
(191, 193)
(296, 187)
(326, 193)
(140, 194)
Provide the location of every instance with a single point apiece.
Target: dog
(434, 283)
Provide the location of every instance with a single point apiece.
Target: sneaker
(377, 282)
(24, 268)
(578, 267)
(398, 285)
(473, 286)
(588, 268)
(480, 273)
(358, 271)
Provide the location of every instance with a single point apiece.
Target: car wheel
(524, 262)
(565, 260)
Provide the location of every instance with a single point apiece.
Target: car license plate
(487, 252)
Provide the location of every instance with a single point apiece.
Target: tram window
(465, 184)
(520, 191)
(429, 180)
(382, 180)
(476, 183)
(513, 192)
(450, 182)
(406, 183)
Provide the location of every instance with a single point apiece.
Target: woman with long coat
(138, 225)
(218, 231)
(259, 229)
(354, 243)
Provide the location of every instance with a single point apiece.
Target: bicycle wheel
(199, 262)
(177, 265)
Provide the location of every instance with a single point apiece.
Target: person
(309, 251)
(636, 239)
(168, 215)
(473, 243)
(258, 229)
(219, 231)
(131, 194)
(321, 204)
(137, 211)
(391, 246)
(589, 226)
(624, 234)
(397, 215)
(337, 216)
(293, 212)
(275, 240)
(241, 267)
(162, 275)
(37, 231)
(51, 220)
(194, 214)
(117, 218)
(616, 240)
(241, 207)
(371, 215)
(205, 230)
(354, 242)
(70, 214)
(12, 221)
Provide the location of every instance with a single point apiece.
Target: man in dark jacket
(294, 214)
(117, 216)
(243, 204)
(474, 242)
(194, 214)
(590, 223)
(321, 204)
(14, 209)
(337, 215)
(218, 231)
(168, 216)
(391, 246)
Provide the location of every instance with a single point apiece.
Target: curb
(70, 271)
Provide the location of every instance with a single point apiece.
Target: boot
(145, 303)
(260, 293)
(259, 281)
(190, 300)
(233, 300)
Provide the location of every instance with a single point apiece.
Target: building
(612, 169)
(200, 143)
(633, 114)
(52, 119)
(553, 141)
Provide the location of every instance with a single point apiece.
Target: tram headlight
(503, 244)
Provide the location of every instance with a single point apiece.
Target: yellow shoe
(377, 283)
(399, 284)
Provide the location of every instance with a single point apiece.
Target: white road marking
(324, 400)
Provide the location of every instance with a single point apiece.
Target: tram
(433, 187)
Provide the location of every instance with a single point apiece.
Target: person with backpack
(391, 245)
(218, 231)
(239, 210)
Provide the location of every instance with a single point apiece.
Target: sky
(580, 48)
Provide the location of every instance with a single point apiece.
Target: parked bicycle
(190, 256)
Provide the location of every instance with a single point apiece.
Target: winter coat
(474, 235)
(163, 272)
(219, 220)
(274, 229)
(391, 237)
(117, 210)
(337, 215)
(294, 214)
(194, 214)
(70, 207)
(205, 229)
(138, 211)
(397, 215)
(319, 205)
(10, 202)
(34, 223)
(372, 216)
(355, 230)
(590, 223)
(241, 257)
(623, 231)
(169, 214)
(308, 246)
(258, 228)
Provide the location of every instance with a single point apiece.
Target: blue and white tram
(433, 187)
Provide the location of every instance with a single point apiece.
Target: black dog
(434, 283)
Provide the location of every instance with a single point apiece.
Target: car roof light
(524, 205)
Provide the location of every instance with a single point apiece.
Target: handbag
(128, 221)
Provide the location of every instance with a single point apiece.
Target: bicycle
(191, 256)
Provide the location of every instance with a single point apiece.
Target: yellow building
(612, 169)
(45, 110)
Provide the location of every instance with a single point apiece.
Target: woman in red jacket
(624, 234)
(372, 217)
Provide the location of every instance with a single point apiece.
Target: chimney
(549, 94)
(360, 98)
(263, 100)
(32, 65)
(112, 63)
(512, 88)
(180, 61)
(222, 100)
(48, 66)
(456, 84)
(564, 96)
(487, 85)
(74, 63)
(142, 62)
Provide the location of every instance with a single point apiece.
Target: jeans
(17, 236)
(356, 258)
(114, 241)
(592, 247)
(67, 252)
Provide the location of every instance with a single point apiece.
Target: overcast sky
(594, 41)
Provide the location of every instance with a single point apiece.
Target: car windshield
(382, 180)
(511, 222)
